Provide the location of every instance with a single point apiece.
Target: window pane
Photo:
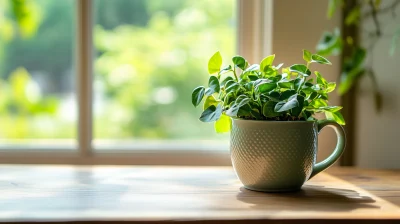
(37, 100)
(150, 55)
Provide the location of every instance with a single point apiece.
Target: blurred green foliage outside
(150, 54)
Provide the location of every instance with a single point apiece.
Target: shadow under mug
(276, 156)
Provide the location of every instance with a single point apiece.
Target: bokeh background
(149, 55)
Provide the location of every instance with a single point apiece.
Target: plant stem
(391, 7)
(378, 100)
(234, 72)
(375, 18)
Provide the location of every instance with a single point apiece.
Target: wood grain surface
(129, 194)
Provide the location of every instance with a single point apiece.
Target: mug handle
(341, 143)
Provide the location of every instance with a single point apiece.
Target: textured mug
(279, 155)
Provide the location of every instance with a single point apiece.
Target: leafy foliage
(355, 65)
(264, 92)
(27, 16)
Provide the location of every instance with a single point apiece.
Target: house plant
(270, 110)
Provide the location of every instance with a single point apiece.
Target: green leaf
(347, 81)
(331, 108)
(358, 58)
(233, 110)
(323, 96)
(286, 84)
(312, 96)
(268, 109)
(316, 87)
(229, 83)
(307, 90)
(249, 86)
(253, 67)
(330, 43)
(278, 66)
(274, 96)
(265, 86)
(330, 87)
(301, 69)
(285, 106)
(286, 71)
(287, 94)
(320, 79)
(306, 114)
(231, 87)
(317, 103)
(239, 61)
(223, 83)
(307, 84)
(275, 78)
(223, 124)
(27, 15)
(211, 114)
(270, 71)
(350, 75)
(319, 59)
(266, 62)
(336, 116)
(324, 109)
(253, 77)
(213, 85)
(296, 111)
(298, 83)
(240, 101)
(229, 98)
(332, 6)
(197, 95)
(353, 69)
(210, 100)
(307, 56)
(311, 119)
(226, 69)
(215, 63)
(256, 114)
(353, 16)
(244, 111)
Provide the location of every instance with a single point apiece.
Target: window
(37, 77)
(149, 57)
(117, 77)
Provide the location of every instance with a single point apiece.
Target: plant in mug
(264, 92)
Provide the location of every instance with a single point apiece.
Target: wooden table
(127, 194)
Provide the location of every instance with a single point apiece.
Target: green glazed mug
(276, 156)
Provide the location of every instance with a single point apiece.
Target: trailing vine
(356, 66)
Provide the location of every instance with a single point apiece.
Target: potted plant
(269, 110)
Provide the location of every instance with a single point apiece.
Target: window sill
(116, 156)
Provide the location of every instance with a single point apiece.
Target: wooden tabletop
(128, 194)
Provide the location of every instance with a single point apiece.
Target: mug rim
(269, 121)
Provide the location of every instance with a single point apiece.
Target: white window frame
(254, 32)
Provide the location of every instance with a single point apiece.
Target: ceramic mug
(279, 155)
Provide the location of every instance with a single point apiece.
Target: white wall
(298, 25)
(378, 134)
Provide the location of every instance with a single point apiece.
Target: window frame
(254, 37)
